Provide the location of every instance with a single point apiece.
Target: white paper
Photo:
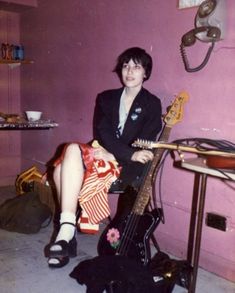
(189, 3)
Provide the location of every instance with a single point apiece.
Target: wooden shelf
(3, 61)
(27, 125)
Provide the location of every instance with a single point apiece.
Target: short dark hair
(138, 55)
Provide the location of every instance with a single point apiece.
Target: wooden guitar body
(138, 245)
(220, 162)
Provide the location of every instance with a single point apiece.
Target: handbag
(24, 214)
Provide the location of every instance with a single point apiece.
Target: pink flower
(113, 235)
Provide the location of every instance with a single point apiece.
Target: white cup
(33, 115)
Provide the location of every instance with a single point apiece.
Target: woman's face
(133, 74)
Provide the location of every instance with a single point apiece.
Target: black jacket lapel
(136, 114)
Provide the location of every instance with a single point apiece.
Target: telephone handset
(210, 34)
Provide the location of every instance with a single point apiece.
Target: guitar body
(129, 232)
(138, 245)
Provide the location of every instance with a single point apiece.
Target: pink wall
(75, 44)
(32, 3)
(17, 5)
(10, 142)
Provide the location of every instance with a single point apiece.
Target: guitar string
(198, 142)
(128, 234)
(132, 222)
(133, 219)
(130, 229)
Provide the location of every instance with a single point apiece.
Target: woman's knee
(73, 150)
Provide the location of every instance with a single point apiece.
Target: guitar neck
(145, 191)
(163, 137)
(190, 149)
(173, 116)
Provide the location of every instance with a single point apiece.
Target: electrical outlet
(216, 221)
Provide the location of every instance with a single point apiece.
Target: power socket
(216, 221)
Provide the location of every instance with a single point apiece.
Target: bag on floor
(24, 181)
(170, 271)
(24, 214)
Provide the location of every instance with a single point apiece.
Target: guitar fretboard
(145, 191)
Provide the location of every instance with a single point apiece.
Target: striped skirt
(98, 177)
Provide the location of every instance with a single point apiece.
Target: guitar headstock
(175, 111)
(174, 115)
(143, 144)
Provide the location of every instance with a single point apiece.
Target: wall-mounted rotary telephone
(209, 28)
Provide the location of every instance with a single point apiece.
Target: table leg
(197, 244)
(194, 211)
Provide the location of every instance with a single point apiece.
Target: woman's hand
(142, 156)
(101, 154)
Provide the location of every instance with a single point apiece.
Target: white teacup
(33, 115)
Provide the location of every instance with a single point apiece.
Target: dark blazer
(144, 121)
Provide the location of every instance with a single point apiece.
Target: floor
(23, 266)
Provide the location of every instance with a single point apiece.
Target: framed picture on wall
(189, 3)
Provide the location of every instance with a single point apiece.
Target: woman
(121, 116)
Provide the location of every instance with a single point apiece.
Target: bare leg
(68, 178)
(56, 177)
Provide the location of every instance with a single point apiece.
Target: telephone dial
(208, 28)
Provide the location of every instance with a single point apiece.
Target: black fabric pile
(119, 274)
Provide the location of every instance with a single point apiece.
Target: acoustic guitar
(129, 235)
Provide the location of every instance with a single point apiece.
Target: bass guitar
(129, 234)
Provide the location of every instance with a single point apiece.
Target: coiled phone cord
(203, 64)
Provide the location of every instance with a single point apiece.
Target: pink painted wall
(17, 5)
(75, 44)
(10, 142)
(32, 3)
